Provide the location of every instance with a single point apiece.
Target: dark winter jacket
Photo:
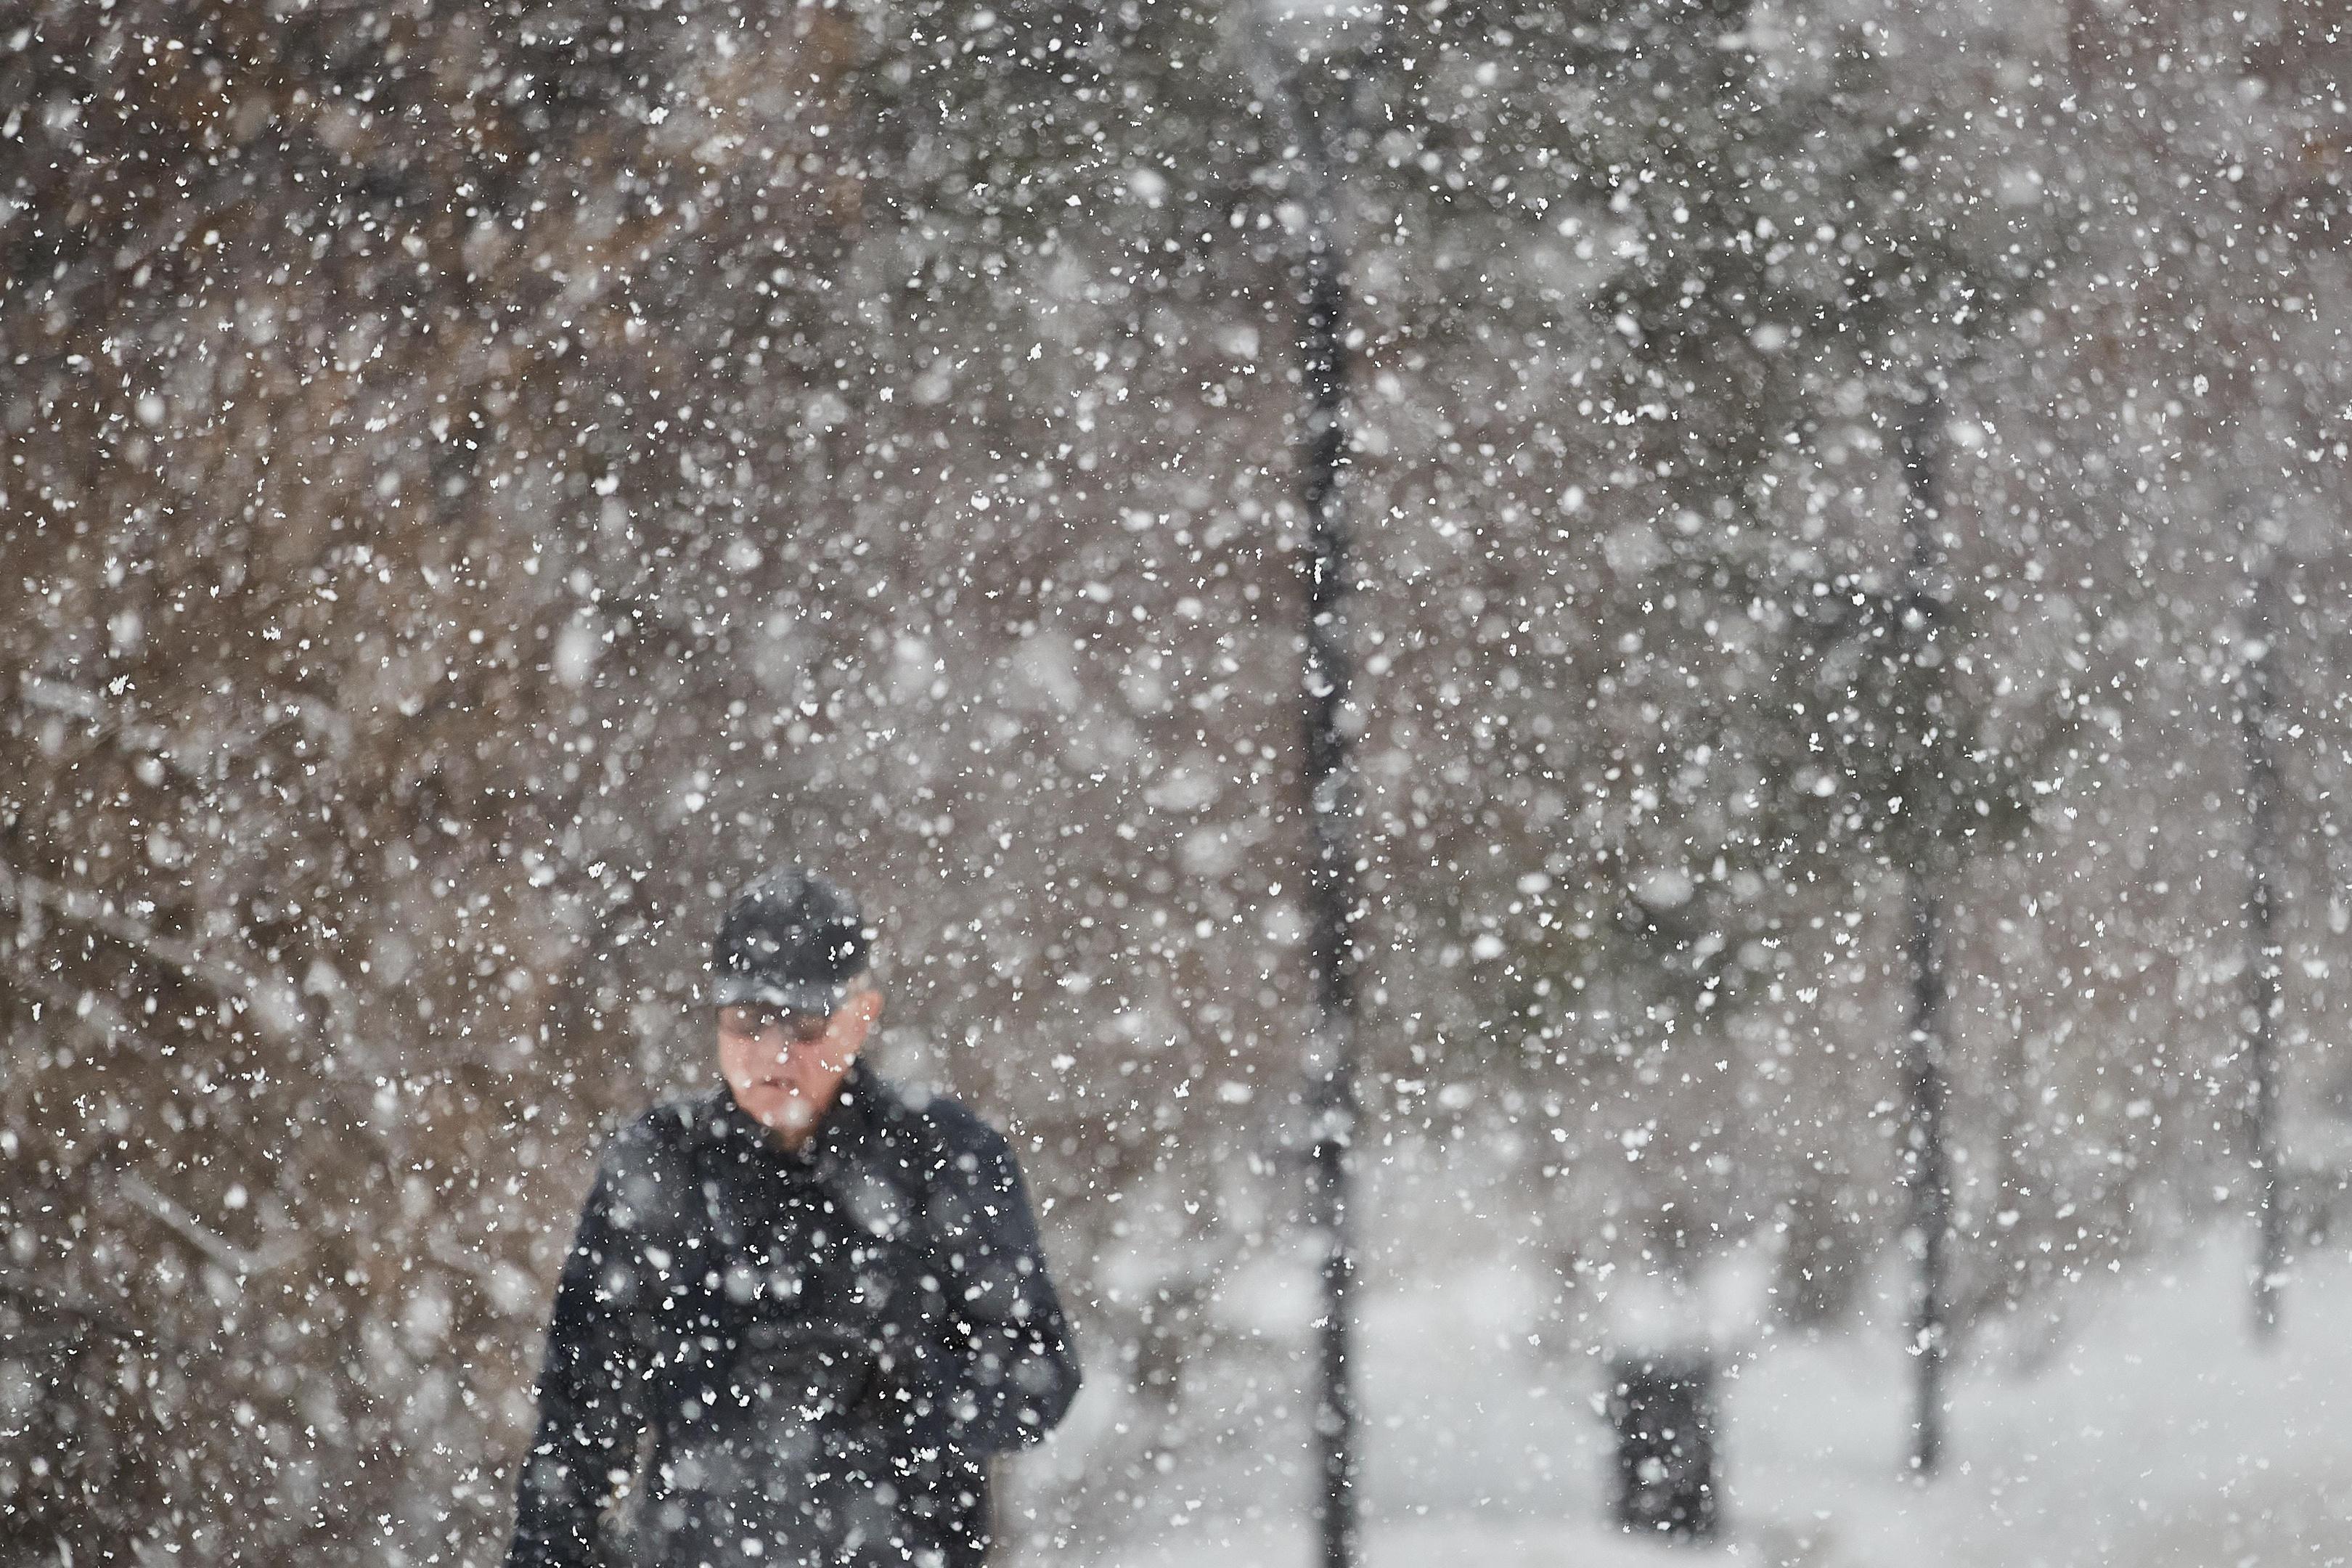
(815, 1352)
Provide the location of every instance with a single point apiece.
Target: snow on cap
(792, 940)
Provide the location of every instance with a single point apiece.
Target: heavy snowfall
(1838, 509)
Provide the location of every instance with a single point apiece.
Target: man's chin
(787, 1113)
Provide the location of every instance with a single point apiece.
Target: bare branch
(272, 1001)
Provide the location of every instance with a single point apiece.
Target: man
(814, 1302)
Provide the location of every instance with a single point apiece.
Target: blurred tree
(1706, 247)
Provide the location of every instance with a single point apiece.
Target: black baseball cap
(792, 940)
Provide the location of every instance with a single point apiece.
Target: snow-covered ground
(2153, 1431)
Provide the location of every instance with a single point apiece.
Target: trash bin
(1663, 1407)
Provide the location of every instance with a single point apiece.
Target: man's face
(784, 1068)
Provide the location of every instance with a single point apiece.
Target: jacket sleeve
(1011, 1371)
(591, 1383)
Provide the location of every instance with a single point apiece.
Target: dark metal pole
(1332, 887)
(1924, 1157)
(2257, 718)
(1331, 884)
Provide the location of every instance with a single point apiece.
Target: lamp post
(1925, 1161)
(1332, 885)
(1331, 893)
(2258, 719)
(1322, 302)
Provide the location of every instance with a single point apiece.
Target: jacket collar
(842, 1136)
(846, 1129)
